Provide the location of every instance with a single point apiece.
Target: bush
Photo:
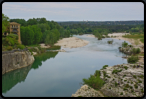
(126, 67)
(124, 44)
(116, 84)
(94, 81)
(21, 46)
(116, 71)
(97, 73)
(141, 76)
(121, 93)
(104, 67)
(135, 86)
(9, 48)
(110, 42)
(132, 59)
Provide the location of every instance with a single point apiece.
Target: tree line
(39, 30)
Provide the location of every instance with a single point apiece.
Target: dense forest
(98, 23)
(39, 30)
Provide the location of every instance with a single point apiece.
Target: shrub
(110, 42)
(21, 46)
(131, 87)
(9, 48)
(134, 76)
(125, 88)
(109, 87)
(135, 86)
(142, 90)
(104, 67)
(141, 76)
(116, 84)
(124, 75)
(97, 73)
(124, 44)
(132, 59)
(132, 90)
(125, 80)
(126, 67)
(139, 81)
(121, 93)
(131, 82)
(116, 71)
(127, 85)
(94, 81)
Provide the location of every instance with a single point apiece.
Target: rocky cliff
(124, 80)
(15, 59)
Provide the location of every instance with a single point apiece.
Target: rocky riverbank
(16, 59)
(123, 80)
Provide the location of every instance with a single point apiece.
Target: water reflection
(42, 58)
(10, 79)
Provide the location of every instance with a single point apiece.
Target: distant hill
(98, 23)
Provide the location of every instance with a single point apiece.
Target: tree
(5, 22)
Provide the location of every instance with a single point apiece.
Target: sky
(75, 11)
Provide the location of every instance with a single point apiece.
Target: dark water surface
(59, 74)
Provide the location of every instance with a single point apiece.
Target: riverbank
(72, 42)
(122, 80)
(132, 41)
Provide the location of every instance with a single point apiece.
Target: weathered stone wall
(15, 59)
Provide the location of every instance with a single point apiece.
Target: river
(60, 74)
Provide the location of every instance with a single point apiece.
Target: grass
(54, 48)
(136, 37)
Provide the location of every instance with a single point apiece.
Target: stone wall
(15, 59)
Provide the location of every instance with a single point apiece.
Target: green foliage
(142, 90)
(125, 88)
(110, 42)
(136, 50)
(141, 76)
(104, 67)
(5, 22)
(54, 48)
(116, 71)
(121, 93)
(132, 59)
(124, 44)
(126, 67)
(9, 48)
(116, 84)
(135, 86)
(139, 81)
(134, 76)
(94, 81)
(20, 46)
(97, 73)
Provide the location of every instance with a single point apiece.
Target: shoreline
(71, 42)
(120, 91)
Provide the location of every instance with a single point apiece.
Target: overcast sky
(75, 11)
